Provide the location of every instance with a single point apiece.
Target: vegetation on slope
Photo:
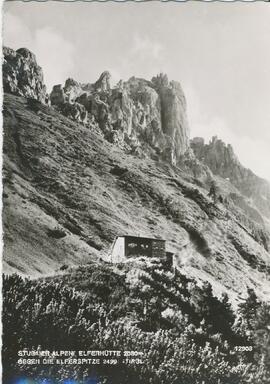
(186, 334)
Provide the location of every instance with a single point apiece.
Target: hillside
(68, 192)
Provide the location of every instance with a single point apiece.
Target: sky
(219, 52)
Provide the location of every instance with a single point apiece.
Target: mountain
(95, 162)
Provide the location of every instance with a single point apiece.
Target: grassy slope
(60, 176)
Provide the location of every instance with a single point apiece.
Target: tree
(249, 308)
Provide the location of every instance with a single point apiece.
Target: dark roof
(140, 237)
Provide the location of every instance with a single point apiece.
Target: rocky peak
(58, 95)
(22, 75)
(72, 89)
(71, 83)
(27, 54)
(63, 98)
(173, 114)
(103, 83)
(222, 161)
(220, 157)
(160, 81)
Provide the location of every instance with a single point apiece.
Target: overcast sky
(220, 53)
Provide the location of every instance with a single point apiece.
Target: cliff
(22, 75)
(147, 118)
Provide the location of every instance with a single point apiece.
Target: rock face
(64, 100)
(74, 111)
(173, 114)
(220, 157)
(145, 117)
(58, 95)
(22, 75)
(222, 161)
(103, 83)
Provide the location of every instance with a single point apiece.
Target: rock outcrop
(22, 75)
(103, 83)
(58, 96)
(63, 98)
(72, 90)
(148, 118)
(173, 114)
(222, 161)
(220, 158)
(74, 111)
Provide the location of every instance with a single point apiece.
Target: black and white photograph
(135, 192)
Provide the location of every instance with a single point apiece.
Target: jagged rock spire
(22, 75)
(103, 83)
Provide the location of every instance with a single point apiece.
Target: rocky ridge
(144, 117)
(222, 161)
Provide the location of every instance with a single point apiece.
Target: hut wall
(118, 252)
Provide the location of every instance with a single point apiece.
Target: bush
(185, 333)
